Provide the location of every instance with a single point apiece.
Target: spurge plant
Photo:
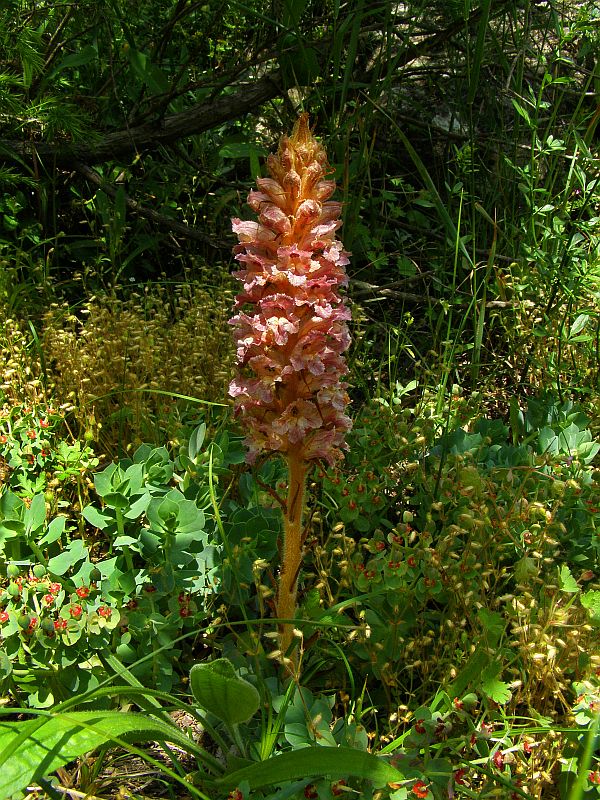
(291, 332)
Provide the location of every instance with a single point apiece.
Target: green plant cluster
(449, 603)
(36, 456)
(485, 540)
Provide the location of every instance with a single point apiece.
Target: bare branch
(121, 145)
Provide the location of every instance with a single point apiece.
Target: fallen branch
(120, 145)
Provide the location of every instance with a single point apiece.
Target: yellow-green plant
(117, 360)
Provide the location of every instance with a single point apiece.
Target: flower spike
(291, 332)
(291, 323)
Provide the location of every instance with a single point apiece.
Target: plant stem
(291, 557)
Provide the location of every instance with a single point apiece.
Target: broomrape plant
(291, 332)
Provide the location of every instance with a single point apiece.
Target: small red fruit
(459, 776)
(420, 789)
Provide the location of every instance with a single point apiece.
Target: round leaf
(217, 688)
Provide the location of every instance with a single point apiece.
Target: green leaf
(522, 112)
(147, 72)
(547, 441)
(292, 11)
(97, 518)
(78, 59)
(196, 441)
(139, 507)
(29, 750)
(494, 688)
(338, 762)
(127, 582)
(35, 516)
(8, 531)
(55, 530)
(103, 481)
(218, 688)
(567, 581)
(470, 675)
(493, 623)
(579, 324)
(116, 500)
(74, 553)
(5, 664)
(591, 601)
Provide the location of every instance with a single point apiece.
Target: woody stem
(291, 558)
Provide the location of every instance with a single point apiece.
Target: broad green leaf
(134, 475)
(5, 664)
(29, 750)
(116, 500)
(567, 581)
(97, 518)
(77, 59)
(74, 553)
(591, 601)
(218, 688)
(55, 530)
(190, 519)
(8, 531)
(161, 513)
(35, 516)
(196, 441)
(492, 622)
(139, 507)
(338, 762)
(103, 481)
(580, 322)
(127, 582)
(11, 505)
(496, 690)
(525, 569)
(547, 441)
(124, 541)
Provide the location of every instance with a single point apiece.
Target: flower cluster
(291, 323)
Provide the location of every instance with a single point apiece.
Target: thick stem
(291, 557)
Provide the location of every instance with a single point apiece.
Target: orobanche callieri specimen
(291, 331)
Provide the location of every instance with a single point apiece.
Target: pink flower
(290, 326)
